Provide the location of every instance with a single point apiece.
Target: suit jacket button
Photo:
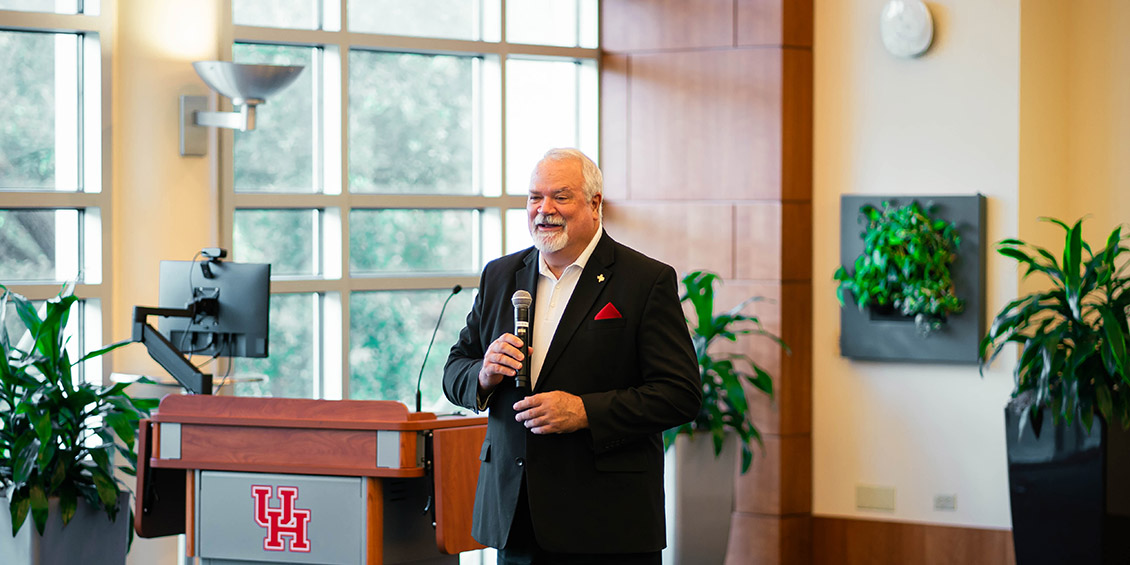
(519, 461)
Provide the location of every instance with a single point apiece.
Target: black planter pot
(1070, 492)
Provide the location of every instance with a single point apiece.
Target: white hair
(593, 178)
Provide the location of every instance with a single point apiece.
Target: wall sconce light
(246, 85)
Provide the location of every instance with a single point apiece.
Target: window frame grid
(94, 26)
(336, 284)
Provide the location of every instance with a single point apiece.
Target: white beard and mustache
(549, 242)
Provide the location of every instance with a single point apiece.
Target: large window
(394, 169)
(53, 176)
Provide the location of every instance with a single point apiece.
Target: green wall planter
(875, 336)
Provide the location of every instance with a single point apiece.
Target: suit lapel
(526, 278)
(594, 278)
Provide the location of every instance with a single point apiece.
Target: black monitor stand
(164, 352)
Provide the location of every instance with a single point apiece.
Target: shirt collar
(581, 260)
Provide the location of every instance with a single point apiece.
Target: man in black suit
(572, 471)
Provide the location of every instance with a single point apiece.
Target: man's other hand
(553, 412)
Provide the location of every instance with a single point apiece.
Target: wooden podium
(308, 481)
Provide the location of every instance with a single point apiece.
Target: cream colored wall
(946, 123)
(165, 206)
(1044, 133)
(1098, 115)
(1075, 124)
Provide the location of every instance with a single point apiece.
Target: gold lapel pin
(600, 277)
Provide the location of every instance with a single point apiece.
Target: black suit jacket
(597, 490)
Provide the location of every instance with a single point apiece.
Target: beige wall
(164, 205)
(1074, 124)
(945, 123)
(1044, 138)
(1097, 114)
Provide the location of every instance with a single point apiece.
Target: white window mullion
(335, 342)
(317, 125)
(588, 109)
(497, 80)
(95, 105)
(90, 244)
(66, 111)
(66, 244)
(333, 86)
(90, 314)
(334, 240)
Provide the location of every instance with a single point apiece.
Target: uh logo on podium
(284, 521)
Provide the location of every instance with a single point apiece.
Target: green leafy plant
(1073, 336)
(57, 437)
(905, 265)
(724, 402)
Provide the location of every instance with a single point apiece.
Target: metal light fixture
(246, 85)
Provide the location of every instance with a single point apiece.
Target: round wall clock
(906, 27)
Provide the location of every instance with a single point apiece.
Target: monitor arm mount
(167, 354)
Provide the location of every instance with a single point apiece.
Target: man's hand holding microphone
(544, 413)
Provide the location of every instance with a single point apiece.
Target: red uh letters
(286, 521)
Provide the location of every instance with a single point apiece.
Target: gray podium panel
(309, 519)
(260, 517)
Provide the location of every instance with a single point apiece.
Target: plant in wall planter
(702, 499)
(58, 438)
(904, 268)
(1072, 376)
(909, 254)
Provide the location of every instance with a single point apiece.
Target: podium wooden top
(305, 437)
(302, 413)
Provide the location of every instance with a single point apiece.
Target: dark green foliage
(27, 244)
(724, 403)
(279, 237)
(410, 123)
(905, 265)
(27, 116)
(387, 344)
(56, 436)
(27, 150)
(1073, 337)
(411, 241)
(279, 155)
(288, 372)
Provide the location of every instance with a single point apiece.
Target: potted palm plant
(1068, 448)
(702, 496)
(58, 439)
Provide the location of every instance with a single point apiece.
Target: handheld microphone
(454, 290)
(522, 301)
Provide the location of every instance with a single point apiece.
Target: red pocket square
(609, 312)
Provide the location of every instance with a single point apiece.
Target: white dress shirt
(550, 300)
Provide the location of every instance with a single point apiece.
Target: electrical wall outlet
(874, 498)
(945, 502)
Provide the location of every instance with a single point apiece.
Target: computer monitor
(230, 305)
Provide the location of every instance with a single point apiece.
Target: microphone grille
(521, 298)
